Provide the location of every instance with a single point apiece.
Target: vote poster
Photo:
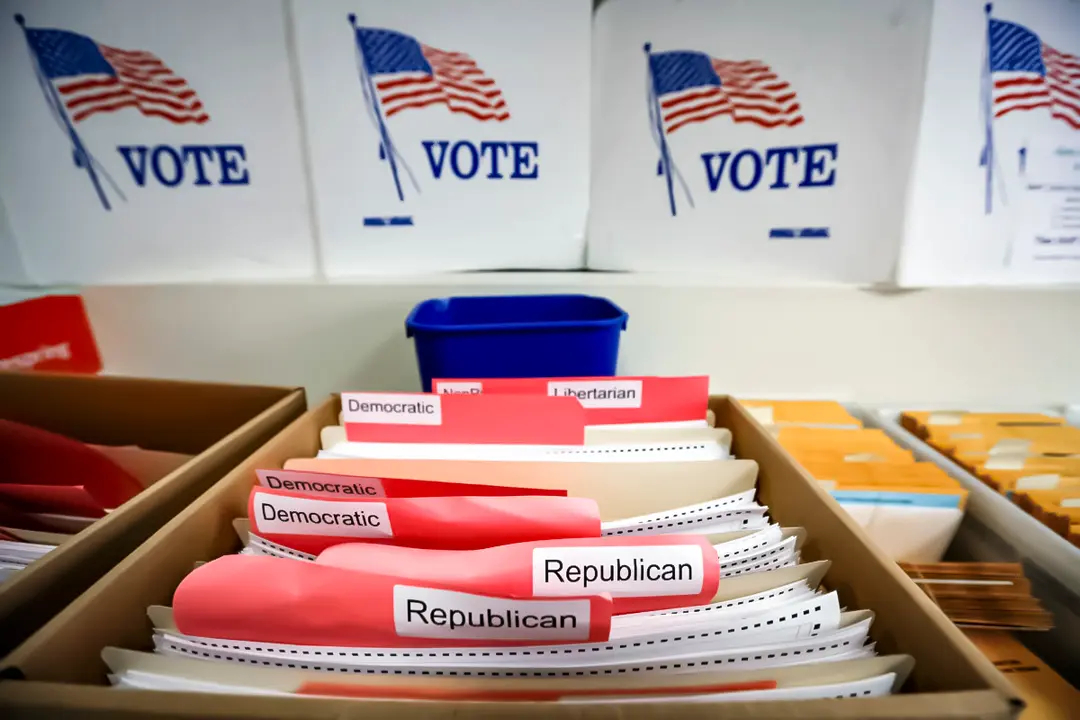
(447, 134)
(151, 141)
(995, 194)
(766, 140)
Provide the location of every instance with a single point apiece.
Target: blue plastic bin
(516, 336)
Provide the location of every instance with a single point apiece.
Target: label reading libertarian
(599, 393)
(391, 408)
(321, 483)
(310, 516)
(625, 571)
(429, 613)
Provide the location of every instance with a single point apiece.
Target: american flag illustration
(92, 78)
(1029, 74)
(409, 74)
(692, 87)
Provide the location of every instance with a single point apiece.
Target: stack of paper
(982, 595)
(911, 509)
(1033, 458)
(427, 560)
(19, 548)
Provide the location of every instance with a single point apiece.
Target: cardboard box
(217, 425)
(62, 674)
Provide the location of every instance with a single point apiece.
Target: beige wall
(970, 346)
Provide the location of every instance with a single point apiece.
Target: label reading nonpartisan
(443, 387)
(391, 408)
(599, 393)
(447, 614)
(311, 516)
(321, 483)
(628, 571)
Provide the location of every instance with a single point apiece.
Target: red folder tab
(494, 419)
(607, 400)
(62, 499)
(641, 573)
(450, 694)
(32, 456)
(311, 524)
(356, 487)
(278, 600)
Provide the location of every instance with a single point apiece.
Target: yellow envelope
(895, 455)
(916, 474)
(808, 413)
(929, 418)
(1001, 439)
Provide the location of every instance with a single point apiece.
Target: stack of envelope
(1033, 458)
(982, 595)
(911, 509)
(476, 558)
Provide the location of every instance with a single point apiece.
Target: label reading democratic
(321, 483)
(447, 614)
(626, 571)
(391, 408)
(599, 393)
(311, 516)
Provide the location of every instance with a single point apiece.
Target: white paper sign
(447, 134)
(321, 483)
(754, 140)
(152, 142)
(995, 190)
(309, 516)
(622, 571)
(599, 393)
(391, 408)
(429, 613)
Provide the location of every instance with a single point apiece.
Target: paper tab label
(309, 516)
(1005, 462)
(763, 414)
(391, 408)
(599, 393)
(945, 417)
(446, 614)
(321, 483)
(442, 387)
(627, 571)
(1047, 481)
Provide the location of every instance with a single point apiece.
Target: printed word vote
(188, 164)
(781, 167)
(494, 160)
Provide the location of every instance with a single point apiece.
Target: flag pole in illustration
(1022, 73)
(684, 87)
(386, 148)
(82, 156)
(655, 116)
(986, 159)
